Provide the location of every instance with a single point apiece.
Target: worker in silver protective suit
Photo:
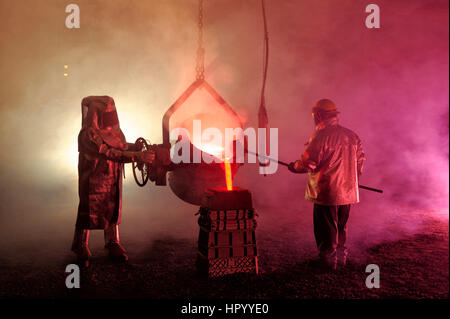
(102, 151)
(333, 159)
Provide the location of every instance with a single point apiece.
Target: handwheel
(141, 170)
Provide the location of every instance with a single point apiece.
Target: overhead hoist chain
(200, 67)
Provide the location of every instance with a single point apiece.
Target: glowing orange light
(217, 151)
(228, 175)
(211, 149)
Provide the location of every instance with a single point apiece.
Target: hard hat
(325, 106)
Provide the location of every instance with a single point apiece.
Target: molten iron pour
(228, 179)
(188, 181)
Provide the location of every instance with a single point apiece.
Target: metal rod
(371, 189)
(286, 164)
(268, 158)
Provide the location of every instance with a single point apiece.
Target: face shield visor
(109, 119)
(99, 113)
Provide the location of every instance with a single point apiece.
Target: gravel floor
(415, 266)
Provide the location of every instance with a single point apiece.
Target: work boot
(329, 265)
(80, 246)
(329, 261)
(343, 262)
(116, 251)
(342, 254)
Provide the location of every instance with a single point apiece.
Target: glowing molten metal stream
(217, 151)
(228, 175)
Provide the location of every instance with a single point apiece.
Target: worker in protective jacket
(333, 159)
(102, 151)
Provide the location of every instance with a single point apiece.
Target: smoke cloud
(390, 84)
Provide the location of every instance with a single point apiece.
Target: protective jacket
(333, 159)
(102, 151)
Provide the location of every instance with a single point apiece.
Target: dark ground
(416, 266)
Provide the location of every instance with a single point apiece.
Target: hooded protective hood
(99, 113)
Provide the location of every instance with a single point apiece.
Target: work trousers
(330, 231)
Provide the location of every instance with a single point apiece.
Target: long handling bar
(286, 164)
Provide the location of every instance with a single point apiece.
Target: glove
(146, 156)
(291, 167)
